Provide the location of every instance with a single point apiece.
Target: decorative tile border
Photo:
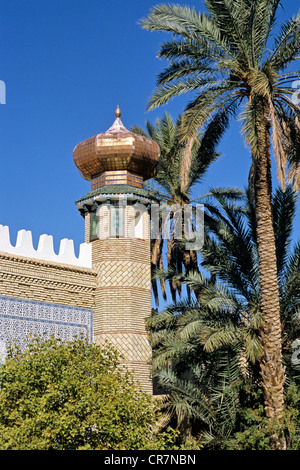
(20, 318)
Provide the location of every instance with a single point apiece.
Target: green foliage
(291, 416)
(67, 396)
(255, 429)
(181, 166)
(206, 351)
(232, 62)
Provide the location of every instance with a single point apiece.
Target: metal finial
(118, 112)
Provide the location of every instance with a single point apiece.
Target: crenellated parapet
(45, 250)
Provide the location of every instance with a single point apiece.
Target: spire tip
(118, 112)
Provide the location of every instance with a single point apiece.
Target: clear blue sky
(66, 65)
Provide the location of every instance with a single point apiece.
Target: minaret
(117, 224)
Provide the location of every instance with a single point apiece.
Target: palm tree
(173, 185)
(224, 58)
(230, 254)
(202, 348)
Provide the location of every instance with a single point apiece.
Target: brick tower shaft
(123, 301)
(117, 224)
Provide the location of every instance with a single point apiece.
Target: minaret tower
(117, 224)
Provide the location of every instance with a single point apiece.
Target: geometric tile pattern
(20, 318)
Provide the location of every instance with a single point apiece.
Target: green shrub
(73, 395)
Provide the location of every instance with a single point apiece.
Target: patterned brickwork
(121, 249)
(123, 293)
(46, 282)
(136, 354)
(126, 273)
(123, 300)
(134, 347)
(118, 307)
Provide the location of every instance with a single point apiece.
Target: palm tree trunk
(272, 370)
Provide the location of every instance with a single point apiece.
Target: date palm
(197, 343)
(225, 59)
(230, 254)
(173, 185)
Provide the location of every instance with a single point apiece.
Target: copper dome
(117, 149)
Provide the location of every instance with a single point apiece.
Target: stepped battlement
(45, 250)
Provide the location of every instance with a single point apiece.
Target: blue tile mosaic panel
(20, 318)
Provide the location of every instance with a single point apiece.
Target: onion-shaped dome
(117, 156)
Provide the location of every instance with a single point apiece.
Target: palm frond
(186, 22)
(284, 208)
(186, 400)
(230, 18)
(262, 16)
(287, 44)
(184, 68)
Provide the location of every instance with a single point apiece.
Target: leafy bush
(255, 430)
(72, 395)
